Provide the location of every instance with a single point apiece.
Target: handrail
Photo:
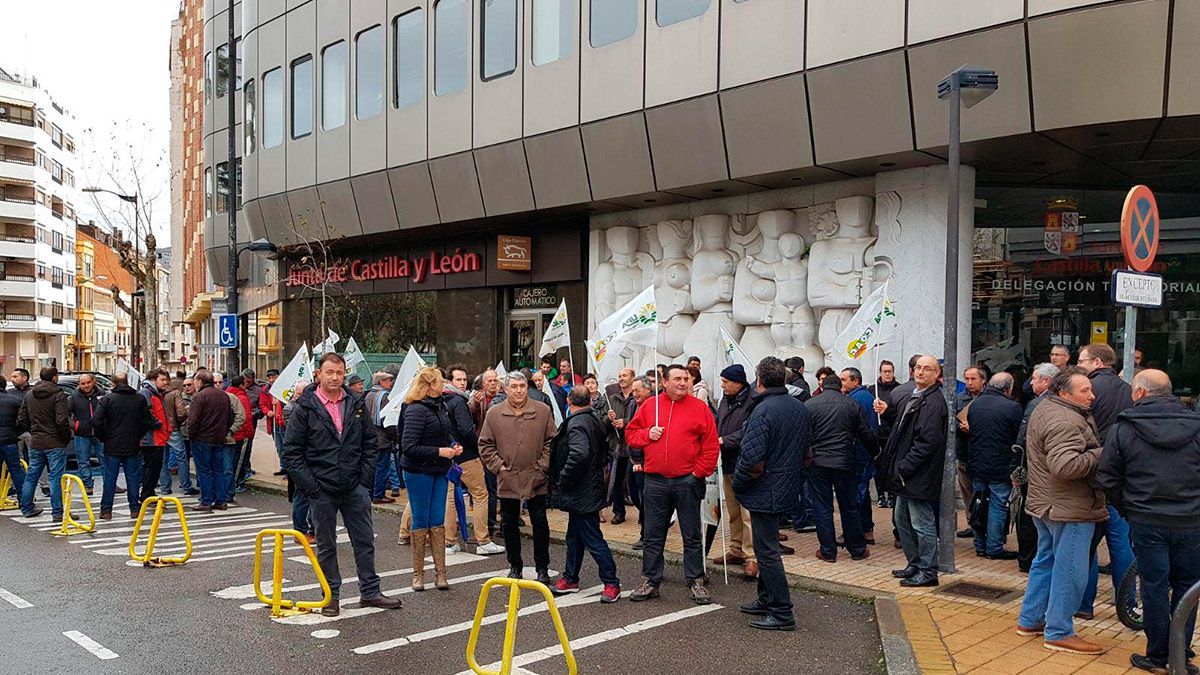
(1178, 645)
(510, 624)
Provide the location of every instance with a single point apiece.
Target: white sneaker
(490, 548)
(453, 548)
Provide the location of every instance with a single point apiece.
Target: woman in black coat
(426, 453)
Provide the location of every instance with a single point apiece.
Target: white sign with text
(1137, 289)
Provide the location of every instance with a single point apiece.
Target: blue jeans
(822, 484)
(1169, 564)
(1120, 555)
(426, 499)
(301, 518)
(1057, 578)
(55, 461)
(11, 456)
(583, 534)
(998, 494)
(229, 454)
(383, 469)
(133, 481)
(209, 469)
(84, 447)
(865, 474)
(277, 436)
(394, 479)
(178, 458)
(916, 525)
(802, 514)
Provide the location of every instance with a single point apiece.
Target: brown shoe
(201, 508)
(700, 594)
(782, 537)
(332, 609)
(1074, 645)
(383, 500)
(821, 556)
(784, 549)
(1028, 632)
(865, 554)
(750, 570)
(896, 543)
(730, 558)
(382, 602)
(220, 507)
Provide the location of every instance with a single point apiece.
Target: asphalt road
(202, 617)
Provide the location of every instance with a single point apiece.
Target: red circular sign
(1140, 228)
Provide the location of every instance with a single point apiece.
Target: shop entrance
(530, 311)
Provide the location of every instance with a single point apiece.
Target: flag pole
(724, 519)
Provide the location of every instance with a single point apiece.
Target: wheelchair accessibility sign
(227, 331)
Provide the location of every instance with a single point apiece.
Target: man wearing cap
(732, 413)
(356, 383)
(377, 400)
(272, 411)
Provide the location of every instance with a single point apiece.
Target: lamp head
(973, 83)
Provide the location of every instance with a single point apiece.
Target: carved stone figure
(625, 274)
(754, 291)
(793, 328)
(713, 270)
(841, 274)
(672, 286)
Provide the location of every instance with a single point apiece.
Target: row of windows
(552, 40)
(222, 188)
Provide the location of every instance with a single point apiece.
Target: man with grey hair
(1149, 470)
(1027, 536)
(994, 419)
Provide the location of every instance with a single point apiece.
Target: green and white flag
(731, 353)
(353, 355)
(558, 335)
(635, 323)
(413, 363)
(501, 371)
(135, 376)
(329, 344)
(299, 368)
(872, 325)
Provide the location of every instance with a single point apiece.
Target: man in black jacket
(1150, 470)
(462, 428)
(994, 419)
(122, 419)
(578, 455)
(732, 414)
(84, 401)
(10, 454)
(46, 414)
(838, 422)
(329, 450)
(912, 464)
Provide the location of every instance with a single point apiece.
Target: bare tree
(313, 269)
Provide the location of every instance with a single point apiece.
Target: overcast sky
(106, 62)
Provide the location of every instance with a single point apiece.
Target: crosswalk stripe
(177, 543)
(342, 539)
(127, 526)
(201, 526)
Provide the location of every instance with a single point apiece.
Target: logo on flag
(868, 326)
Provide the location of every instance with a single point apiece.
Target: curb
(897, 650)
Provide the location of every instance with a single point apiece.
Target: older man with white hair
(1027, 537)
(994, 419)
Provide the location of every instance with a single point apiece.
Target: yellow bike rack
(279, 606)
(510, 624)
(71, 526)
(160, 505)
(8, 503)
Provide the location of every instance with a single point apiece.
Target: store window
(408, 54)
(553, 30)
(368, 73)
(302, 96)
(334, 84)
(612, 21)
(498, 45)
(674, 11)
(273, 105)
(451, 45)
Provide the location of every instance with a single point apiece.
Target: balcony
(105, 348)
(17, 208)
(18, 131)
(17, 167)
(16, 246)
(17, 285)
(15, 321)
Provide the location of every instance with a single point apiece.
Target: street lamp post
(233, 362)
(968, 85)
(135, 345)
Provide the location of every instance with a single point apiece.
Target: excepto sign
(1137, 290)
(1140, 228)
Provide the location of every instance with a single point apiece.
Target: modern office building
(442, 172)
(38, 195)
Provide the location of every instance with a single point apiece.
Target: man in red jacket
(243, 436)
(678, 436)
(272, 411)
(154, 444)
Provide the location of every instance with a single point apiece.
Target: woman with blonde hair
(426, 454)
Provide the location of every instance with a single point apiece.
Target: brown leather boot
(437, 541)
(419, 538)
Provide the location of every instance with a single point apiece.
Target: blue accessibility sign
(227, 331)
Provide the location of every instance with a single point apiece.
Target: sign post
(1139, 242)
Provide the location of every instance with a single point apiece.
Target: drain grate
(975, 591)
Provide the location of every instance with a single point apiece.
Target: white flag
(636, 323)
(299, 368)
(872, 325)
(413, 363)
(501, 371)
(549, 392)
(353, 355)
(731, 353)
(135, 376)
(559, 333)
(329, 344)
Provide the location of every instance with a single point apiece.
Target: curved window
(208, 192)
(208, 77)
(248, 103)
(613, 21)
(368, 73)
(222, 70)
(408, 47)
(674, 11)
(499, 43)
(334, 84)
(451, 44)
(273, 113)
(302, 96)
(553, 30)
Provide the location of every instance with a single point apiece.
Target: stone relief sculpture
(841, 274)
(754, 290)
(673, 286)
(624, 274)
(713, 268)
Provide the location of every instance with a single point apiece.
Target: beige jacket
(1063, 452)
(516, 447)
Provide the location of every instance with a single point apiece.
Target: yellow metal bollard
(510, 625)
(71, 526)
(147, 558)
(279, 606)
(8, 503)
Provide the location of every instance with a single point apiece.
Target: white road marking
(315, 618)
(115, 528)
(98, 650)
(605, 636)
(14, 600)
(237, 527)
(342, 539)
(198, 542)
(325, 633)
(583, 597)
(247, 590)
